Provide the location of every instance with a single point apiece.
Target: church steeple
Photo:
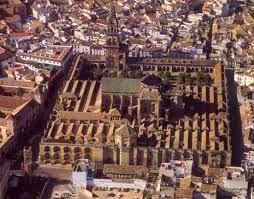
(112, 12)
(112, 41)
(112, 20)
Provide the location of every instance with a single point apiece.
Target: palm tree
(132, 74)
(113, 74)
(207, 80)
(199, 78)
(97, 73)
(180, 78)
(124, 73)
(139, 74)
(188, 79)
(105, 73)
(110, 63)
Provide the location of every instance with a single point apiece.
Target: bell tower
(112, 54)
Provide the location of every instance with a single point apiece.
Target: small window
(153, 107)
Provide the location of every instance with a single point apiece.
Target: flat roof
(16, 83)
(120, 184)
(121, 169)
(171, 61)
(54, 53)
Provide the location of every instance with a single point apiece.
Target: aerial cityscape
(142, 99)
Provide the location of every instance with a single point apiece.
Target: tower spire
(112, 12)
(112, 7)
(112, 41)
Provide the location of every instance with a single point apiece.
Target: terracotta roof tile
(20, 34)
(11, 102)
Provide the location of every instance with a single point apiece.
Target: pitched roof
(12, 102)
(183, 193)
(114, 112)
(5, 54)
(30, 103)
(209, 188)
(151, 128)
(151, 80)
(125, 131)
(215, 172)
(69, 115)
(120, 85)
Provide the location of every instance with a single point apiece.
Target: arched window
(88, 156)
(108, 42)
(87, 150)
(77, 150)
(47, 156)
(46, 148)
(56, 156)
(77, 157)
(67, 149)
(56, 148)
(150, 158)
(204, 158)
(187, 155)
(67, 157)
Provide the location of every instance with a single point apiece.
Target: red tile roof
(5, 54)
(20, 34)
(11, 102)
(16, 83)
